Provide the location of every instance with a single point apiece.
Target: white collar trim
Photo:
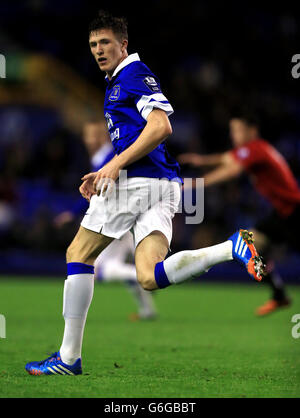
(131, 58)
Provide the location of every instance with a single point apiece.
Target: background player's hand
(63, 218)
(191, 158)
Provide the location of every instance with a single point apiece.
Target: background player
(137, 116)
(273, 179)
(111, 265)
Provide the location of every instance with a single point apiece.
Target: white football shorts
(137, 204)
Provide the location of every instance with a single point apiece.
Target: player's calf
(150, 251)
(188, 264)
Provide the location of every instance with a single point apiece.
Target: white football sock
(78, 294)
(144, 300)
(188, 264)
(112, 270)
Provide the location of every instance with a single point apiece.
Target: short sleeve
(145, 89)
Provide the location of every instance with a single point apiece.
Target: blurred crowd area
(212, 58)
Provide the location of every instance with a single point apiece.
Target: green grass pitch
(206, 343)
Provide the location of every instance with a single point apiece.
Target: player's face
(94, 136)
(240, 132)
(107, 49)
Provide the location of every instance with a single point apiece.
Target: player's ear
(124, 45)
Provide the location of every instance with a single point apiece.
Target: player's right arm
(157, 129)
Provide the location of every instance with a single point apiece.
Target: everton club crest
(115, 94)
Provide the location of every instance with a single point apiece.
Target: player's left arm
(157, 129)
(229, 169)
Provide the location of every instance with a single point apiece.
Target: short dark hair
(105, 20)
(248, 117)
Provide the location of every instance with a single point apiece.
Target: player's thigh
(150, 251)
(86, 246)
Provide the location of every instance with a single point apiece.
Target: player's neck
(110, 73)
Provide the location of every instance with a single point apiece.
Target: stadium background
(211, 58)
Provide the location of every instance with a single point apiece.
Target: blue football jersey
(131, 94)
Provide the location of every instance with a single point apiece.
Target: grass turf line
(206, 343)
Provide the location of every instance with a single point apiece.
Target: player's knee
(147, 281)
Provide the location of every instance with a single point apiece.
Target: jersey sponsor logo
(115, 135)
(108, 120)
(151, 83)
(115, 94)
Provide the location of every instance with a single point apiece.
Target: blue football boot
(244, 252)
(53, 365)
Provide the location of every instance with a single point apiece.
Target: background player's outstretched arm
(228, 166)
(227, 170)
(198, 160)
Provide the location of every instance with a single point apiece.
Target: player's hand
(87, 187)
(194, 159)
(102, 180)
